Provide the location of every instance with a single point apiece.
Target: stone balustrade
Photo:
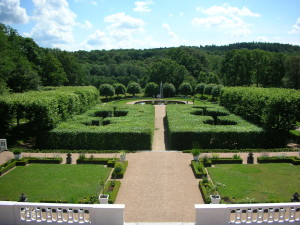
(18, 213)
(274, 213)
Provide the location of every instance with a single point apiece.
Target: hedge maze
(104, 128)
(211, 126)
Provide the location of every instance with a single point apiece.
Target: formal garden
(72, 119)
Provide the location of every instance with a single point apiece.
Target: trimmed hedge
(131, 132)
(226, 161)
(198, 169)
(100, 161)
(275, 108)
(112, 195)
(7, 166)
(204, 192)
(45, 109)
(24, 161)
(294, 160)
(119, 175)
(244, 150)
(189, 129)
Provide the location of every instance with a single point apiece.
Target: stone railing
(17, 213)
(275, 213)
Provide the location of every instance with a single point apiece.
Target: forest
(24, 65)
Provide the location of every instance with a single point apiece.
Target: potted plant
(122, 156)
(17, 154)
(103, 198)
(196, 153)
(215, 198)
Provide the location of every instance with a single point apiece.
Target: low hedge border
(226, 161)
(100, 161)
(24, 161)
(244, 150)
(294, 160)
(204, 192)
(113, 194)
(198, 169)
(120, 175)
(68, 151)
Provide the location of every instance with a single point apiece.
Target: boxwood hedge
(120, 127)
(213, 127)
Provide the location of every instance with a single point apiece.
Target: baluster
(249, 216)
(70, 216)
(87, 218)
(38, 213)
(48, 214)
(292, 214)
(81, 216)
(260, 215)
(281, 215)
(27, 214)
(60, 215)
(22, 214)
(270, 218)
(238, 216)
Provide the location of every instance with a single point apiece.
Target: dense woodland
(26, 66)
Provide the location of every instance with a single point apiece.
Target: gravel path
(159, 143)
(159, 187)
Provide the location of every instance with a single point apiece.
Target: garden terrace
(104, 128)
(211, 126)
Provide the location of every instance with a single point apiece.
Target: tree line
(26, 66)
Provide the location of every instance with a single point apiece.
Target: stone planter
(196, 157)
(18, 156)
(123, 157)
(103, 199)
(215, 199)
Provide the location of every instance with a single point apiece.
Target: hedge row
(191, 128)
(24, 161)
(110, 162)
(45, 109)
(204, 192)
(273, 107)
(198, 169)
(245, 150)
(293, 160)
(131, 132)
(112, 194)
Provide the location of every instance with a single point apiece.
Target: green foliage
(198, 169)
(100, 161)
(188, 125)
(124, 127)
(216, 91)
(209, 88)
(107, 90)
(120, 89)
(168, 90)
(272, 107)
(134, 88)
(199, 89)
(119, 170)
(293, 160)
(115, 186)
(185, 89)
(45, 109)
(151, 89)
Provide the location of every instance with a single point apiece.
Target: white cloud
(12, 13)
(86, 25)
(54, 22)
(296, 27)
(141, 6)
(166, 27)
(123, 26)
(227, 18)
(94, 3)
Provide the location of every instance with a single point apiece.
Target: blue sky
(113, 24)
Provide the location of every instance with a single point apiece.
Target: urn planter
(103, 198)
(215, 199)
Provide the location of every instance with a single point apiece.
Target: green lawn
(53, 182)
(262, 182)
